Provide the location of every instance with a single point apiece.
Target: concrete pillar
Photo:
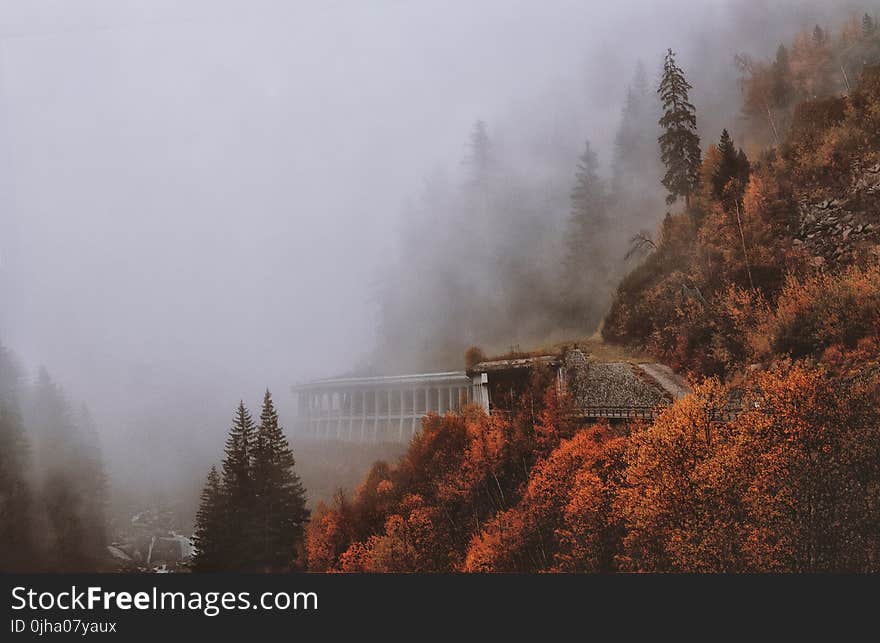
(363, 416)
(412, 430)
(316, 407)
(351, 415)
(480, 384)
(401, 395)
(388, 413)
(340, 397)
(427, 401)
(376, 398)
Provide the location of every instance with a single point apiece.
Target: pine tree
(210, 546)
(91, 481)
(237, 478)
(480, 163)
(280, 504)
(782, 89)
(636, 138)
(733, 165)
(588, 203)
(679, 143)
(868, 26)
(586, 257)
(72, 482)
(18, 551)
(818, 36)
(479, 151)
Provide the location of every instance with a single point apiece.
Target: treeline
(530, 245)
(790, 484)
(53, 489)
(253, 512)
(516, 251)
(729, 282)
(818, 63)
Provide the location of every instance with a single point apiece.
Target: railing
(619, 412)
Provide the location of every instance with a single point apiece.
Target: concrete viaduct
(391, 408)
(379, 409)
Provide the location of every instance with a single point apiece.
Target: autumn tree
(808, 446)
(811, 65)
(526, 538)
(679, 142)
(676, 520)
(329, 534)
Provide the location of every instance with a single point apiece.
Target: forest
(53, 489)
(763, 284)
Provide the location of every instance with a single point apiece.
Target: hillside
(779, 272)
(765, 288)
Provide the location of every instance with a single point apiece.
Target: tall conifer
(679, 143)
(238, 489)
(280, 504)
(208, 539)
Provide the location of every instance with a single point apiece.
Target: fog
(199, 200)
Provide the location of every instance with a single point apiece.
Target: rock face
(839, 229)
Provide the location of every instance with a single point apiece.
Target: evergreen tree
(636, 138)
(481, 165)
(238, 490)
(679, 143)
(91, 482)
(733, 165)
(587, 203)
(782, 88)
(210, 547)
(73, 485)
(18, 549)
(280, 504)
(586, 260)
(818, 36)
(868, 26)
(479, 156)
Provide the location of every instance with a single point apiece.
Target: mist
(200, 200)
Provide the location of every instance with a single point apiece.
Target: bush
(823, 311)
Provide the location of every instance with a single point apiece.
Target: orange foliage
(824, 311)
(787, 478)
(810, 449)
(540, 533)
(790, 485)
(460, 471)
(676, 519)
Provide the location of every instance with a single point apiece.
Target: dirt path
(673, 384)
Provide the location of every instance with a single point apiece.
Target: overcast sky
(196, 195)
